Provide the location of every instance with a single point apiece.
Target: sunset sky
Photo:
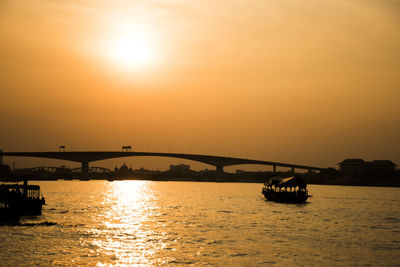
(309, 82)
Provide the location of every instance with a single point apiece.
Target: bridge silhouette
(84, 157)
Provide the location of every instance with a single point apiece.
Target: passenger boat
(19, 200)
(286, 190)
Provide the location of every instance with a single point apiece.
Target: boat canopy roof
(287, 182)
(19, 186)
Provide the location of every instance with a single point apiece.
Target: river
(101, 223)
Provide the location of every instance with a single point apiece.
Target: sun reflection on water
(128, 236)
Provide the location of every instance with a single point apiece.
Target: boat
(286, 190)
(19, 200)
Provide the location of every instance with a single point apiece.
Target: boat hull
(9, 215)
(29, 207)
(285, 197)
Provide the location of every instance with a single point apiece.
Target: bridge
(84, 157)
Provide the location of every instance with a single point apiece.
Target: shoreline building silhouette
(359, 166)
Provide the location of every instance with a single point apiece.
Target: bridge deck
(88, 156)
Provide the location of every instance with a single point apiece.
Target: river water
(103, 223)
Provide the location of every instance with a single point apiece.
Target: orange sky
(307, 82)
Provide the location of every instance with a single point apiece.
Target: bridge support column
(220, 169)
(85, 168)
(274, 170)
(293, 169)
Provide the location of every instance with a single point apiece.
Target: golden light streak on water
(126, 224)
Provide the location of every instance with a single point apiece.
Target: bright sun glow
(131, 51)
(130, 47)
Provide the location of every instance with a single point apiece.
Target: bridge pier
(220, 168)
(85, 168)
(274, 170)
(293, 169)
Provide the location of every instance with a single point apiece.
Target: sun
(131, 51)
(130, 47)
